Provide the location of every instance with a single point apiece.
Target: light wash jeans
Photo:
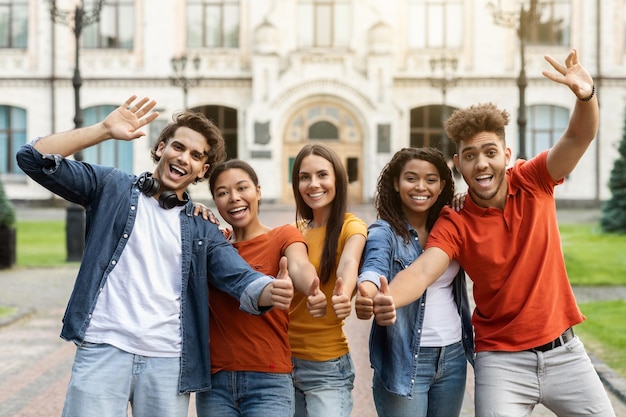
(438, 389)
(250, 394)
(106, 379)
(562, 379)
(323, 389)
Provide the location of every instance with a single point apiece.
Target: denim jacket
(394, 350)
(110, 198)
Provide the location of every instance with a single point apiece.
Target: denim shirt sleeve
(229, 273)
(378, 254)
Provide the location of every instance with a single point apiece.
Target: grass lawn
(604, 332)
(41, 243)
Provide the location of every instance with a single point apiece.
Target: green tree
(7, 211)
(614, 210)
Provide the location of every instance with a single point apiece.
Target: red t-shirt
(522, 293)
(243, 342)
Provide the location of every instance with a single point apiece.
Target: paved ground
(35, 363)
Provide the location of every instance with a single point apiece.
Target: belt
(565, 337)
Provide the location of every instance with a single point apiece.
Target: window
(12, 136)
(117, 153)
(553, 27)
(14, 24)
(323, 130)
(427, 129)
(545, 126)
(225, 118)
(115, 26)
(213, 23)
(324, 23)
(435, 24)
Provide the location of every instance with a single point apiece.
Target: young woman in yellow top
(323, 371)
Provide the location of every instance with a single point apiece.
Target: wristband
(593, 91)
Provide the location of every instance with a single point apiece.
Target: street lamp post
(521, 21)
(180, 79)
(443, 70)
(76, 20)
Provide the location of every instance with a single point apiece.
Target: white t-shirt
(138, 309)
(442, 323)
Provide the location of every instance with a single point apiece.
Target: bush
(7, 211)
(614, 210)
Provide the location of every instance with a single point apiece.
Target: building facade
(367, 77)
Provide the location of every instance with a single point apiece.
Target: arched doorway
(332, 124)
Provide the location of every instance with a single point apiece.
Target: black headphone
(168, 199)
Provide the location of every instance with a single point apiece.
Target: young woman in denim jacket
(419, 362)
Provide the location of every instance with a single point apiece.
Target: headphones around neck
(168, 199)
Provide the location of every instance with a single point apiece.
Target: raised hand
(363, 303)
(384, 307)
(316, 299)
(341, 302)
(124, 122)
(572, 74)
(282, 287)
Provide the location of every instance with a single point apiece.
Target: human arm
(347, 270)
(409, 284)
(122, 123)
(279, 292)
(305, 279)
(583, 124)
(207, 214)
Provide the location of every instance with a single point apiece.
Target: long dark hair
(339, 206)
(387, 200)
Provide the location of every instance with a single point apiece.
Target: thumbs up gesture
(316, 299)
(384, 307)
(341, 301)
(364, 301)
(282, 287)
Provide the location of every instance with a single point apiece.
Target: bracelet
(593, 91)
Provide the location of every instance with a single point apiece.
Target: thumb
(384, 286)
(338, 287)
(362, 290)
(283, 273)
(315, 286)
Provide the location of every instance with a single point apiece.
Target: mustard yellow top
(321, 339)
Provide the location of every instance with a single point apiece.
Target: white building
(274, 74)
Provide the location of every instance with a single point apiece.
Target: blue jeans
(563, 379)
(252, 394)
(323, 388)
(438, 389)
(106, 379)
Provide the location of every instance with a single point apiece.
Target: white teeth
(483, 177)
(420, 197)
(316, 195)
(237, 210)
(178, 170)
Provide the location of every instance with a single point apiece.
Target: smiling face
(183, 160)
(482, 160)
(236, 197)
(419, 185)
(316, 182)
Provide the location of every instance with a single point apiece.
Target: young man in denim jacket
(139, 309)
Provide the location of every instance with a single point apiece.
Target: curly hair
(338, 208)
(200, 123)
(387, 200)
(464, 124)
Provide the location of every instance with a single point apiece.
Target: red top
(522, 293)
(243, 342)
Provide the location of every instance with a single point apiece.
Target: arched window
(12, 136)
(117, 153)
(323, 130)
(545, 126)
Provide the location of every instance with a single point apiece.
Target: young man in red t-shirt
(507, 239)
